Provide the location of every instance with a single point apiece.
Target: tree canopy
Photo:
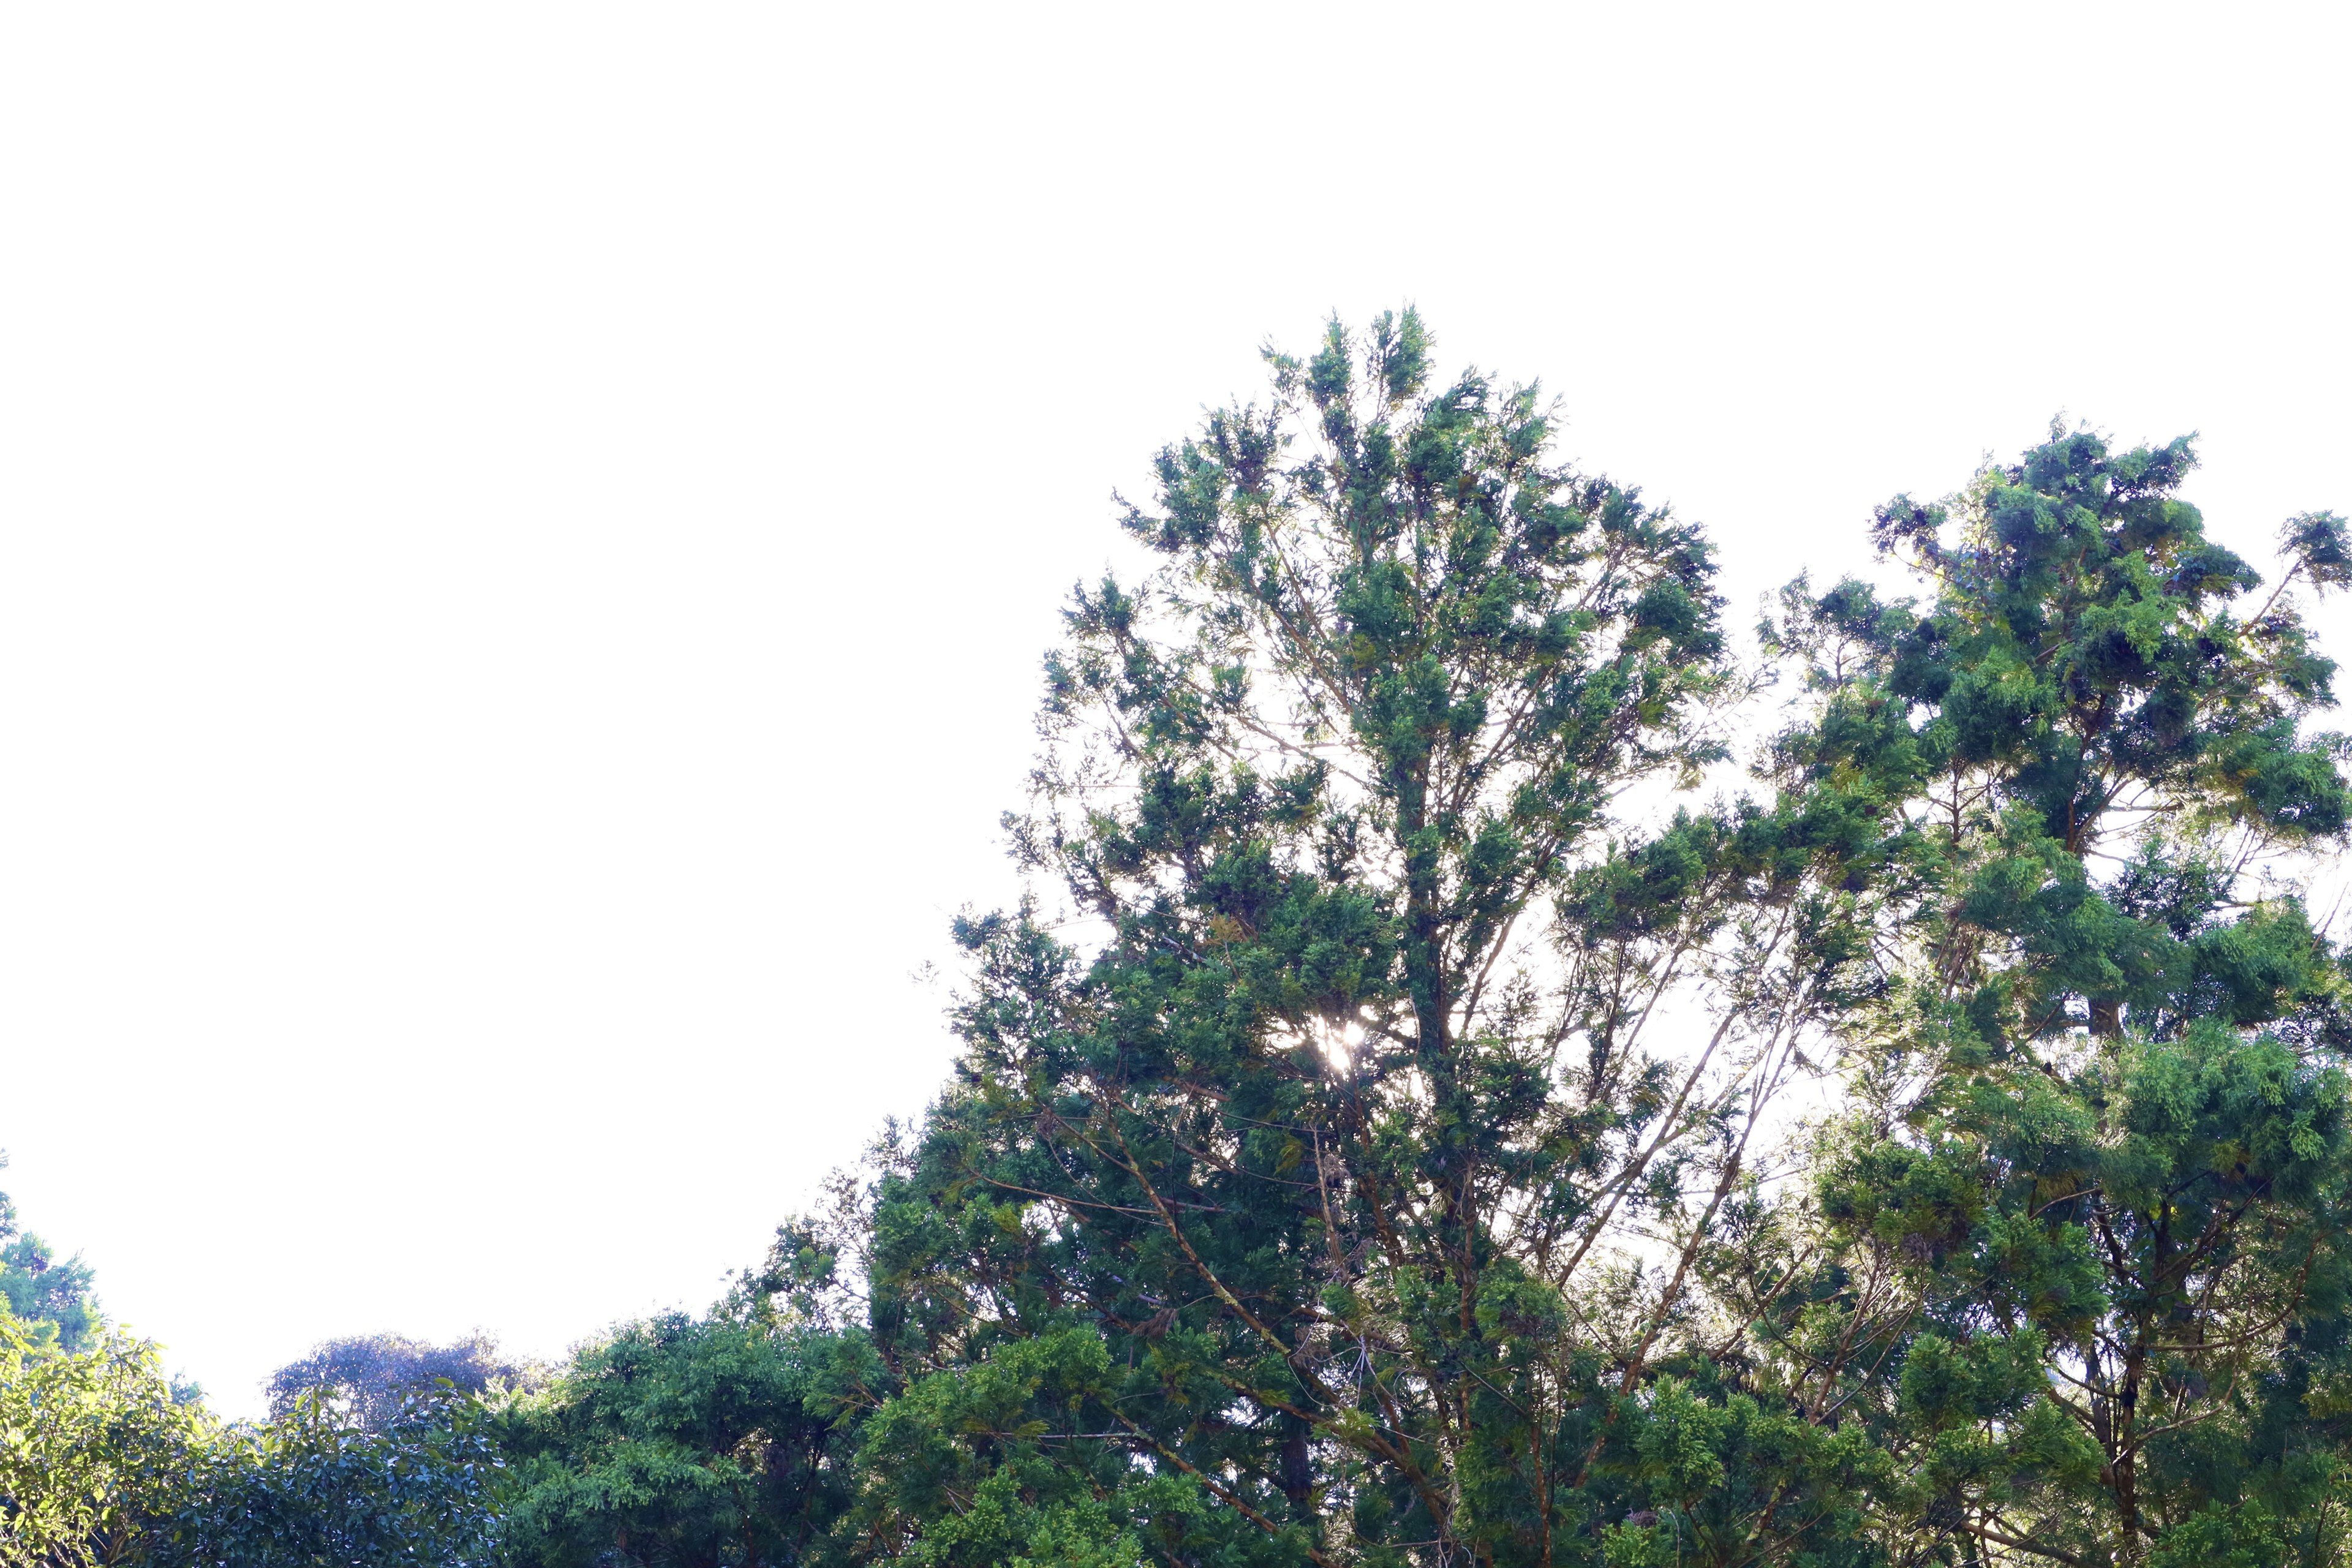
(52, 1296)
(1492, 1069)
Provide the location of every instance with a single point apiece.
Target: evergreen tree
(50, 1296)
(2081, 1273)
(1327, 1182)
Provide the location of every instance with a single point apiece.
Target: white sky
(526, 531)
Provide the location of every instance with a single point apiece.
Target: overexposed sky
(526, 531)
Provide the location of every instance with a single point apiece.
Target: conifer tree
(1318, 1184)
(2081, 1268)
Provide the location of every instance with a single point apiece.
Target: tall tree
(1318, 1185)
(2086, 1268)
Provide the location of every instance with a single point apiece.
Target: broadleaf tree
(94, 1446)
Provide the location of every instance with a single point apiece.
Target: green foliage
(318, 1486)
(1304, 1174)
(93, 1446)
(681, 1442)
(2084, 1255)
(2217, 1537)
(1286, 1202)
(990, 1463)
(52, 1299)
(103, 1461)
(1364, 1147)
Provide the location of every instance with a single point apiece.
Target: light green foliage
(51, 1298)
(981, 1463)
(103, 1461)
(93, 1446)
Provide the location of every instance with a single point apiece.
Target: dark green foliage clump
(1281, 1209)
(2082, 1269)
(315, 1486)
(680, 1441)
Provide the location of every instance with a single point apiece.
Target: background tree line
(1488, 1075)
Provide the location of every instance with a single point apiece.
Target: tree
(418, 1483)
(94, 1445)
(53, 1297)
(103, 1460)
(1321, 1187)
(1369, 1145)
(373, 1374)
(681, 1442)
(2082, 1269)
